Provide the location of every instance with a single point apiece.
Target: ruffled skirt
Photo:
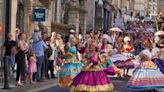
(93, 81)
(68, 72)
(122, 62)
(160, 64)
(146, 76)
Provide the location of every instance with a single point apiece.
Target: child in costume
(147, 75)
(71, 67)
(92, 78)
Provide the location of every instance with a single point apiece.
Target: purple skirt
(91, 78)
(160, 64)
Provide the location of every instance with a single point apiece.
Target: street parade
(81, 46)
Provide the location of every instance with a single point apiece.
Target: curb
(42, 88)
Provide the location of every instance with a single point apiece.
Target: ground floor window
(2, 32)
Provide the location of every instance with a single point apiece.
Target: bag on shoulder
(14, 50)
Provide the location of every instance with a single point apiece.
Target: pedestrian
(50, 54)
(39, 48)
(9, 57)
(32, 66)
(17, 34)
(20, 59)
(45, 65)
(60, 53)
(36, 36)
(55, 45)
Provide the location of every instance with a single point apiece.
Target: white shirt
(54, 48)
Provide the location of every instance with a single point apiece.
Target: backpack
(49, 51)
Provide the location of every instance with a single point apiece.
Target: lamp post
(7, 30)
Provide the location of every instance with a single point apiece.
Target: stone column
(13, 16)
(77, 23)
(49, 18)
(74, 19)
(28, 24)
(85, 25)
(58, 20)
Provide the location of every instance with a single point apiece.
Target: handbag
(14, 50)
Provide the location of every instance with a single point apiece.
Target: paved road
(120, 86)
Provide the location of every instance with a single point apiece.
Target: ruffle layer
(66, 81)
(146, 81)
(147, 64)
(87, 88)
(124, 64)
(92, 68)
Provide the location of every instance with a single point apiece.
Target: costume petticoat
(71, 67)
(122, 62)
(147, 75)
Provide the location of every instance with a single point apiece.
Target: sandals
(19, 84)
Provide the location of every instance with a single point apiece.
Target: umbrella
(116, 29)
(159, 33)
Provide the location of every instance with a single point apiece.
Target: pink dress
(32, 65)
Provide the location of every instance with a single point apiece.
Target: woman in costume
(159, 59)
(124, 60)
(72, 65)
(92, 78)
(106, 54)
(127, 51)
(147, 75)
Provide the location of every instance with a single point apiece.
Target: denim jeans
(39, 63)
(11, 61)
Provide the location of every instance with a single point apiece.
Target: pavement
(30, 87)
(27, 86)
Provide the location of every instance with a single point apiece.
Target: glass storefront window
(1, 28)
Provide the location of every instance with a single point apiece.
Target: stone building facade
(160, 5)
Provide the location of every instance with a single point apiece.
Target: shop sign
(39, 15)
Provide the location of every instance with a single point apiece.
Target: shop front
(2, 32)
